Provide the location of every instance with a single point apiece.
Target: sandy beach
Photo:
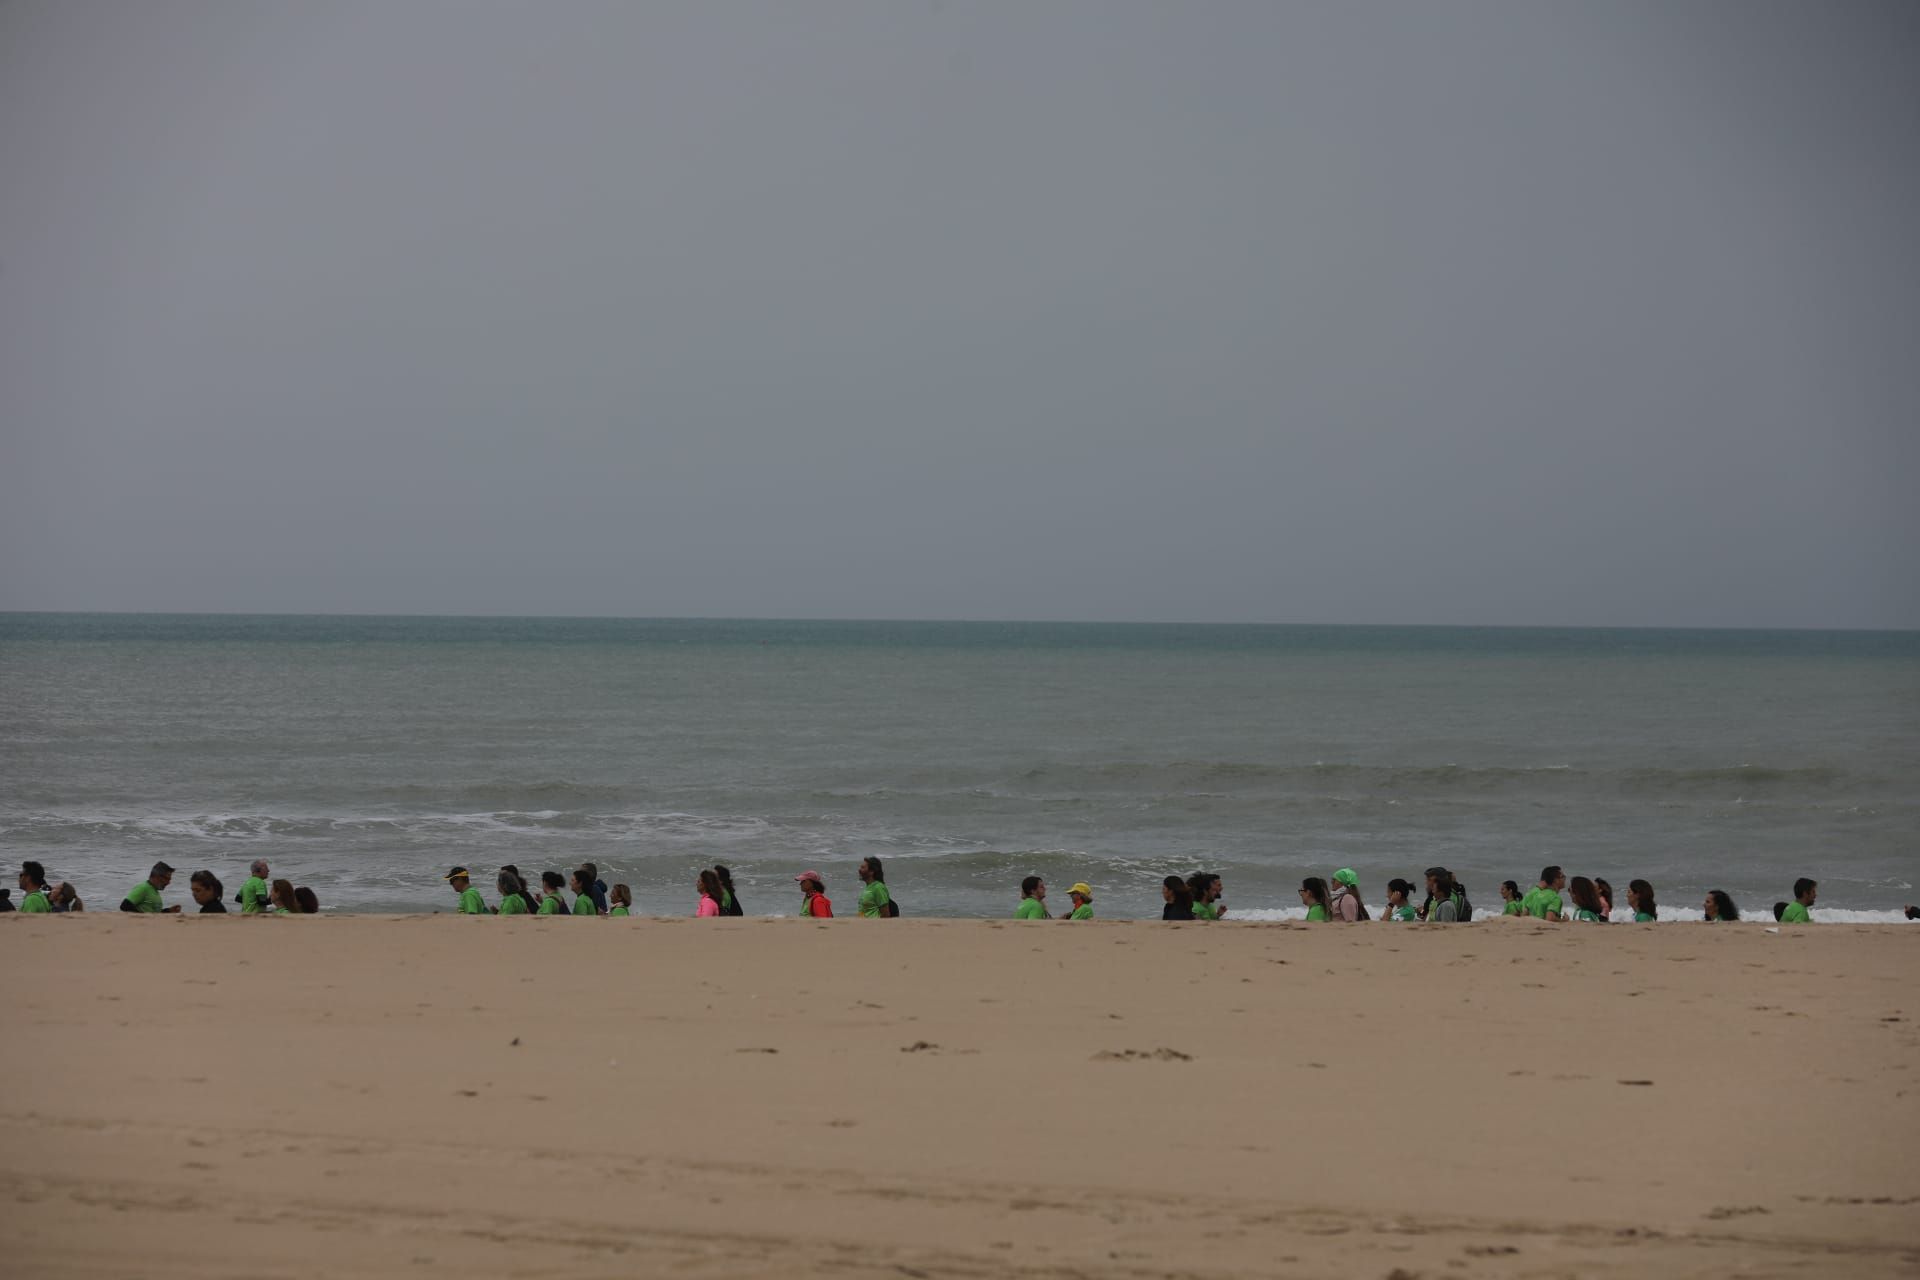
(423, 1096)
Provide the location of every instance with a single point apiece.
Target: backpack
(891, 910)
(1461, 904)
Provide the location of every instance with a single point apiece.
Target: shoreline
(389, 1095)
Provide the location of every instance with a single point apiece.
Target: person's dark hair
(1442, 884)
(507, 883)
(710, 885)
(67, 896)
(731, 902)
(552, 881)
(1723, 905)
(208, 880)
(283, 895)
(1028, 885)
(590, 871)
(36, 873)
(1316, 888)
(1801, 886)
(308, 900)
(1513, 889)
(1549, 874)
(622, 895)
(1182, 891)
(580, 882)
(1581, 890)
(1779, 910)
(1643, 896)
(1605, 892)
(872, 864)
(1397, 885)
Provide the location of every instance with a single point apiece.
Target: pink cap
(810, 875)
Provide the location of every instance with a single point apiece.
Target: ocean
(364, 756)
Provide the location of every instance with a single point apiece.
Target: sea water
(365, 756)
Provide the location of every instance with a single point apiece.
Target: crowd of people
(1554, 897)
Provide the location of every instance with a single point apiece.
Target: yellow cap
(1084, 889)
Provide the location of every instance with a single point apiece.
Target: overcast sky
(1529, 312)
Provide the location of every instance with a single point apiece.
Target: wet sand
(429, 1096)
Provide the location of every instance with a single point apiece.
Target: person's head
(1398, 891)
(309, 901)
(1033, 887)
(622, 896)
(1640, 898)
(1081, 894)
(871, 871)
(1439, 882)
(590, 871)
(1346, 879)
(1509, 891)
(1553, 878)
(1581, 890)
(810, 882)
(457, 879)
(1779, 911)
(1718, 906)
(1177, 891)
(1605, 892)
(1313, 891)
(282, 895)
(507, 883)
(258, 867)
(1805, 891)
(161, 876)
(552, 881)
(65, 895)
(32, 876)
(205, 887)
(724, 876)
(580, 882)
(709, 884)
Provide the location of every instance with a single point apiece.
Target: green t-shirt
(35, 902)
(513, 905)
(874, 897)
(1641, 917)
(1513, 908)
(1794, 914)
(1406, 912)
(551, 905)
(1592, 917)
(726, 901)
(1082, 912)
(1316, 912)
(471, 903)
(617, 911)
(144, 896)
(1029, 909)
(253, 896)
(1540, 900)
(1205, 911)
(583, 906)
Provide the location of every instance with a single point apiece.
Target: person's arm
(1552, 916)
(126, 904)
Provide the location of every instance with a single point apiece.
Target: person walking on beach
(1604, 891)
(253, 893)
(1081, 895)
(1640, 898)
(309, 901)
(1033, 900)
(551, 903)
(1586, 901)
(282, 899)
(1400, 901)
(1206, 889)
(508, 886)
(1444, 898)
(67, 898)
(471, 903)
(1510, 895)
(814, 902)
(876, 902)
(144, 897)
(1543, 900)
(1313, 896)
(1719, 906)
(583, 904)
(596, 887)
(1346, 904)
(1179, 899)
(206, 889)
(33, 883)
(709, 886)
(1800, 910)
(622, 898)
(729, 900)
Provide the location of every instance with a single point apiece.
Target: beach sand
(427, 1096)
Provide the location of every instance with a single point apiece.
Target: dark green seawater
(363, 756)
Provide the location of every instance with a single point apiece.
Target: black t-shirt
(214, 908)
(1177, 911)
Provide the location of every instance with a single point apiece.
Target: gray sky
(1524, 312)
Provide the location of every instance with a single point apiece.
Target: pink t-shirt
(708, 907)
